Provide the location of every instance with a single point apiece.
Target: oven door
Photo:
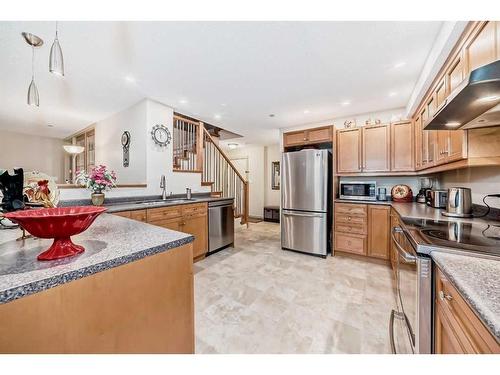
(406, 294)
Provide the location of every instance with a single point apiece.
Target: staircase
(195, 151)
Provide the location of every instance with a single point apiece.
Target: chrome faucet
(163, 186)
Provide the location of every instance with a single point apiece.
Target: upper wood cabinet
(349, 150)
(455, 73)
(308, 136)
(418, 143)
(480, 49)
(378, 231)
(402, 146)
(376, 148)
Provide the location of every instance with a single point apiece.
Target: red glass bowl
(58, 223)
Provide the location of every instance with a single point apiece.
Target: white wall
(109, 150)
(157, 160)
(271, 197)
(32, 153)
(481, 180)
(256, 158)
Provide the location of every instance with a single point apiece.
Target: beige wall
(481, 180)
(256, 157)
(271, 197)
(32, 153)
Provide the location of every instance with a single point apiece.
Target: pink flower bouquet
(98, 180)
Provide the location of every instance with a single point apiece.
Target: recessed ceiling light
(345, 103)
(399, 64)
(183, 101)
(393, 93)
(223, 104)
(217, 117)
(452, 124)
(306, 111)
(130, 79)
(232, 146)
(271, 115)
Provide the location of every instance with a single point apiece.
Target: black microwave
(358, 190)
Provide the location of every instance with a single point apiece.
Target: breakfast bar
(131, 291)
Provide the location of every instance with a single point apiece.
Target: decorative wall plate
(161, 135)
(41, 188)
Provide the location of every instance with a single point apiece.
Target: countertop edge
(25, 290)
(471, 301)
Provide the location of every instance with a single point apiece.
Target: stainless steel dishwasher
(220, 224)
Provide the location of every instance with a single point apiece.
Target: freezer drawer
(305, 231)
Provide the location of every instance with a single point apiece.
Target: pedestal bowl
(57, 223)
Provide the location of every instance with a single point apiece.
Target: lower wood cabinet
(188, 218)
(362, 229)
(197, 226)
(379, 231)
(458, 330)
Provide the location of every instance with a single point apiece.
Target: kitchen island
(131, 291)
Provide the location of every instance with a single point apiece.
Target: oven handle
(391, 332)
(408, 258)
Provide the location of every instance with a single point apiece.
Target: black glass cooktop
(477, 237)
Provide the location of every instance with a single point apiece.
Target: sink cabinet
(187, 218)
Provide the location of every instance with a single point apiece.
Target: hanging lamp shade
(56, 60)
(33, 98)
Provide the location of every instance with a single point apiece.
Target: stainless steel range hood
(475, 103)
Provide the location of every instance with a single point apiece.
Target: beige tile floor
(257, 298)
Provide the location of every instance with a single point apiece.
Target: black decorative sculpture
(12, 190)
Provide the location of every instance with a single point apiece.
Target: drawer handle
(443, 296)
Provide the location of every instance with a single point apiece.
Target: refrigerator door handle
(302, 214)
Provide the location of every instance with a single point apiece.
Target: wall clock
(126, 147)
(161, 135)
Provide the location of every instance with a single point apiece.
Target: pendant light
(56, 60)
(33, 41)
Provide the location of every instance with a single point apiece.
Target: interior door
(305, 180)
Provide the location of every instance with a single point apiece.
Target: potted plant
(98, 181)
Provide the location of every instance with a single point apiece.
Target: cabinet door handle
(443, 296)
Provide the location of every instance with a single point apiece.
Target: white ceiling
(231, 74)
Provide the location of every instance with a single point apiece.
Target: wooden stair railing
(222, 176)
(187, 140)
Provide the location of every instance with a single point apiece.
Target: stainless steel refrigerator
(306, 201)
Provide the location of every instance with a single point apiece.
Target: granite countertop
(110, 241)
(142, 203)
(476, 278)
(478, 281)
(414, 210)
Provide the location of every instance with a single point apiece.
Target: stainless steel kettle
(459, 202)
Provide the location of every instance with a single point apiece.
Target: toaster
(436, 198)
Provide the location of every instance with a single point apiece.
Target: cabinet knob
(443, 296)
(349, 218)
